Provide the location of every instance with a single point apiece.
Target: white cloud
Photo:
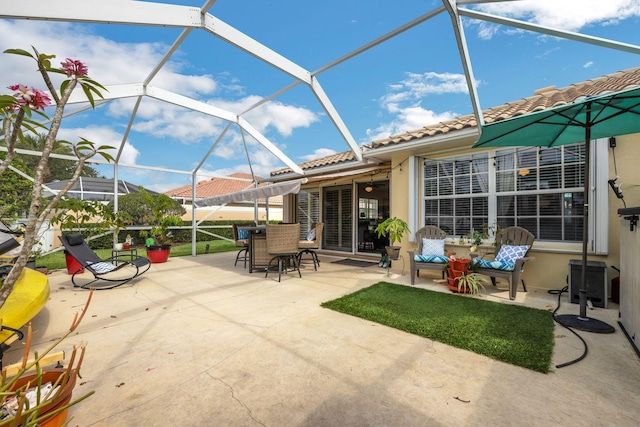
(407, 119)
(318, 153)
(570, 15)
(109, 62)
(417, 86)
(588, 64)
(403, 100)
(100, 135)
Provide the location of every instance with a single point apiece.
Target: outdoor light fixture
(369, 187)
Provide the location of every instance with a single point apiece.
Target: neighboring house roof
(541, 100)
(94, 188)
(219, 185)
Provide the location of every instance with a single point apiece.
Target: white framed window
(456, 193)
(537, 188)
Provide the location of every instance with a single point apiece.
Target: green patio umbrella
(606, 115)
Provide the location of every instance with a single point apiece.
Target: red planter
(73, 265)
(158, 254)
(459, 264)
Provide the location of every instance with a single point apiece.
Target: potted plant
(394, 228)
(161, 216)
(470, 283)
(33, 395)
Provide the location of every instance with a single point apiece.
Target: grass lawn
(514, 334)
(56, 260)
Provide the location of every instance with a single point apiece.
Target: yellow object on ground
(28, 297)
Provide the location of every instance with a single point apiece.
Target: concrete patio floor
(199, 342)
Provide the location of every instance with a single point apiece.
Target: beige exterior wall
(550, 268)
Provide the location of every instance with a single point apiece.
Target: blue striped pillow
(437, 259)
(495, 265)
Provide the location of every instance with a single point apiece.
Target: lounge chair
(115, 271)
(512, 245)
(429, 254)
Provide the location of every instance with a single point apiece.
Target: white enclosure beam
(335, 118)
(105, 12)
(269, 146)
(252, 47)
(458, 30)
(611, 44)
(192, 104)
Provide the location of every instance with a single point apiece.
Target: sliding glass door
(338, 218)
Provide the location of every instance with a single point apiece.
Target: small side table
(131, 253)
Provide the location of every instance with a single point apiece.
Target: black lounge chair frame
(102, 269)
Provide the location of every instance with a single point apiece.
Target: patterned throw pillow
(432, 247)
(311, 235)
(509, 253)
(495, 265)
(102, 267)
(436, 259)
(243, 234)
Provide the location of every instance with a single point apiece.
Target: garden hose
(586, 349)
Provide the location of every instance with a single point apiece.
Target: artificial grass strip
(518, 335)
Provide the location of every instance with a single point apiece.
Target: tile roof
(332, 159)
(541, 100)
(217, 186)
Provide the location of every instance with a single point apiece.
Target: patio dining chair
(512, 246)
(429, 254)
(241, 238)
(282, 246)
(114, 271)
(311, 243)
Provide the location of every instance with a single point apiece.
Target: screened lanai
(309, 81)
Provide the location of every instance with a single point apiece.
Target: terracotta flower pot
(60, 400)
(460, 264)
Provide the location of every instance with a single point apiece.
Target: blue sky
(409, 81)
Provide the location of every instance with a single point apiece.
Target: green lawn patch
(518, 335)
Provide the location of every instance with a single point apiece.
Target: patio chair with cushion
(114, 271)
(311, 243)
(241, 238)
(282, 245)
(512, 245)
(430, 253)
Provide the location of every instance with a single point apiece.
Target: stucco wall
(551, 267)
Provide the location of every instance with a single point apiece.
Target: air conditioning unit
(596, 282)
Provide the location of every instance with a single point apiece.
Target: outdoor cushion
(432, 247)
(243, 234)
(511, 253)
(75, 239)
(437, 259)
(311, 235)
(101, 267)
(495, 265)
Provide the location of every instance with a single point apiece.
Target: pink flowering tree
(20, 113)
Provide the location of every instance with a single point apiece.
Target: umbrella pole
(582, 321)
